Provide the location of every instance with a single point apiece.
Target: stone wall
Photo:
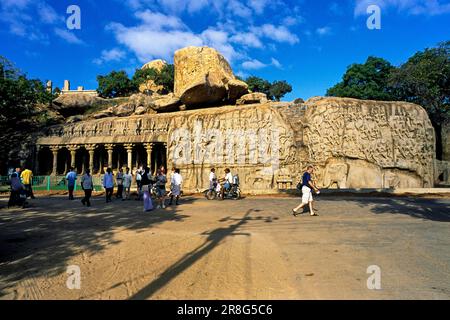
(352, 143)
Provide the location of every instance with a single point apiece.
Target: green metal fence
(52, 183)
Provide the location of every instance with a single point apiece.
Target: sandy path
(248, 249)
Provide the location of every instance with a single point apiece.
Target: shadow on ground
(35, 242)
(422, 208)
(215, 237)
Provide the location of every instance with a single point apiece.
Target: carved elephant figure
(335, 173)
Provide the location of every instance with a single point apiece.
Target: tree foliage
(115, 84)
(274, 91)
(365, 81)
(279, 88)
(18, 94)
(425, 80)
(164, 78)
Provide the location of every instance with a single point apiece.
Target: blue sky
(308, 43)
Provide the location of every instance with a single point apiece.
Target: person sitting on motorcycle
(228, 182)
(212, 179)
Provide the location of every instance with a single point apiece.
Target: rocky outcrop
(203, 76)
(352, 143)
(166, 103)
(252, 98)
(150, 85)
(75, 103)
(369, 144)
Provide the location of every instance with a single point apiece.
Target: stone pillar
(129, 148)
(149, 148)
(55, 150)
(73, 151)
(109, 148)
(66, 85)
(36, 161)
(164, 156)
(91, 149)
(49, 86)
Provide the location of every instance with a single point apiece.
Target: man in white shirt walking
(175, 184)
(108, 184)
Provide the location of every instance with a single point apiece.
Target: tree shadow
(40, 240)
(421, 208)
(215, 237)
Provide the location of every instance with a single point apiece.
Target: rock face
(73, 104)
(252, 98)
(203, 76)
(352, 143)
(369, 144)
(166, 103)
(151, 86)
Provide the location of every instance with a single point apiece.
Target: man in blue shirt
(307, 187)
(71, 177)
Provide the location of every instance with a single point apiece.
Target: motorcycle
(234, 192)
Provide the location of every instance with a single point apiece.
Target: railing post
(48, 183)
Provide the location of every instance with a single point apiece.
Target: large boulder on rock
(150, 85)
(202, 75)
(74, 103)
(166, 103)
(251, 98)
(236, 89)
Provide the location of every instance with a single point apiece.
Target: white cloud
(114, 54)
(47, 14)
(160, 32)
(276, 63)
(239, 9)
(258, 5)
(148, 44)
(414, 7)
(278, 34)
(159, 21)
(253, 64)
(19, 4)
(323, 31)
(293, 20)
(247, 39)
(68, 36)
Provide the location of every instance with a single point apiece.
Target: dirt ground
(247, 249)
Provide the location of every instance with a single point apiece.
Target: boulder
(166, 103)
(251, 98)
(236, 89)
(73, 119)
(74, 103)
(125, 109)
(202, 75)
(134, 102)
(150, 85)
(140, 110)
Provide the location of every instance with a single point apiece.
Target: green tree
(279, 88)
(274, 91)
(164, 77)
(115, 84)
(425, 80)
(256, 84)
(369, 80)
(19, 95)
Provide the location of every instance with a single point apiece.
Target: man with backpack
(307, 185)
